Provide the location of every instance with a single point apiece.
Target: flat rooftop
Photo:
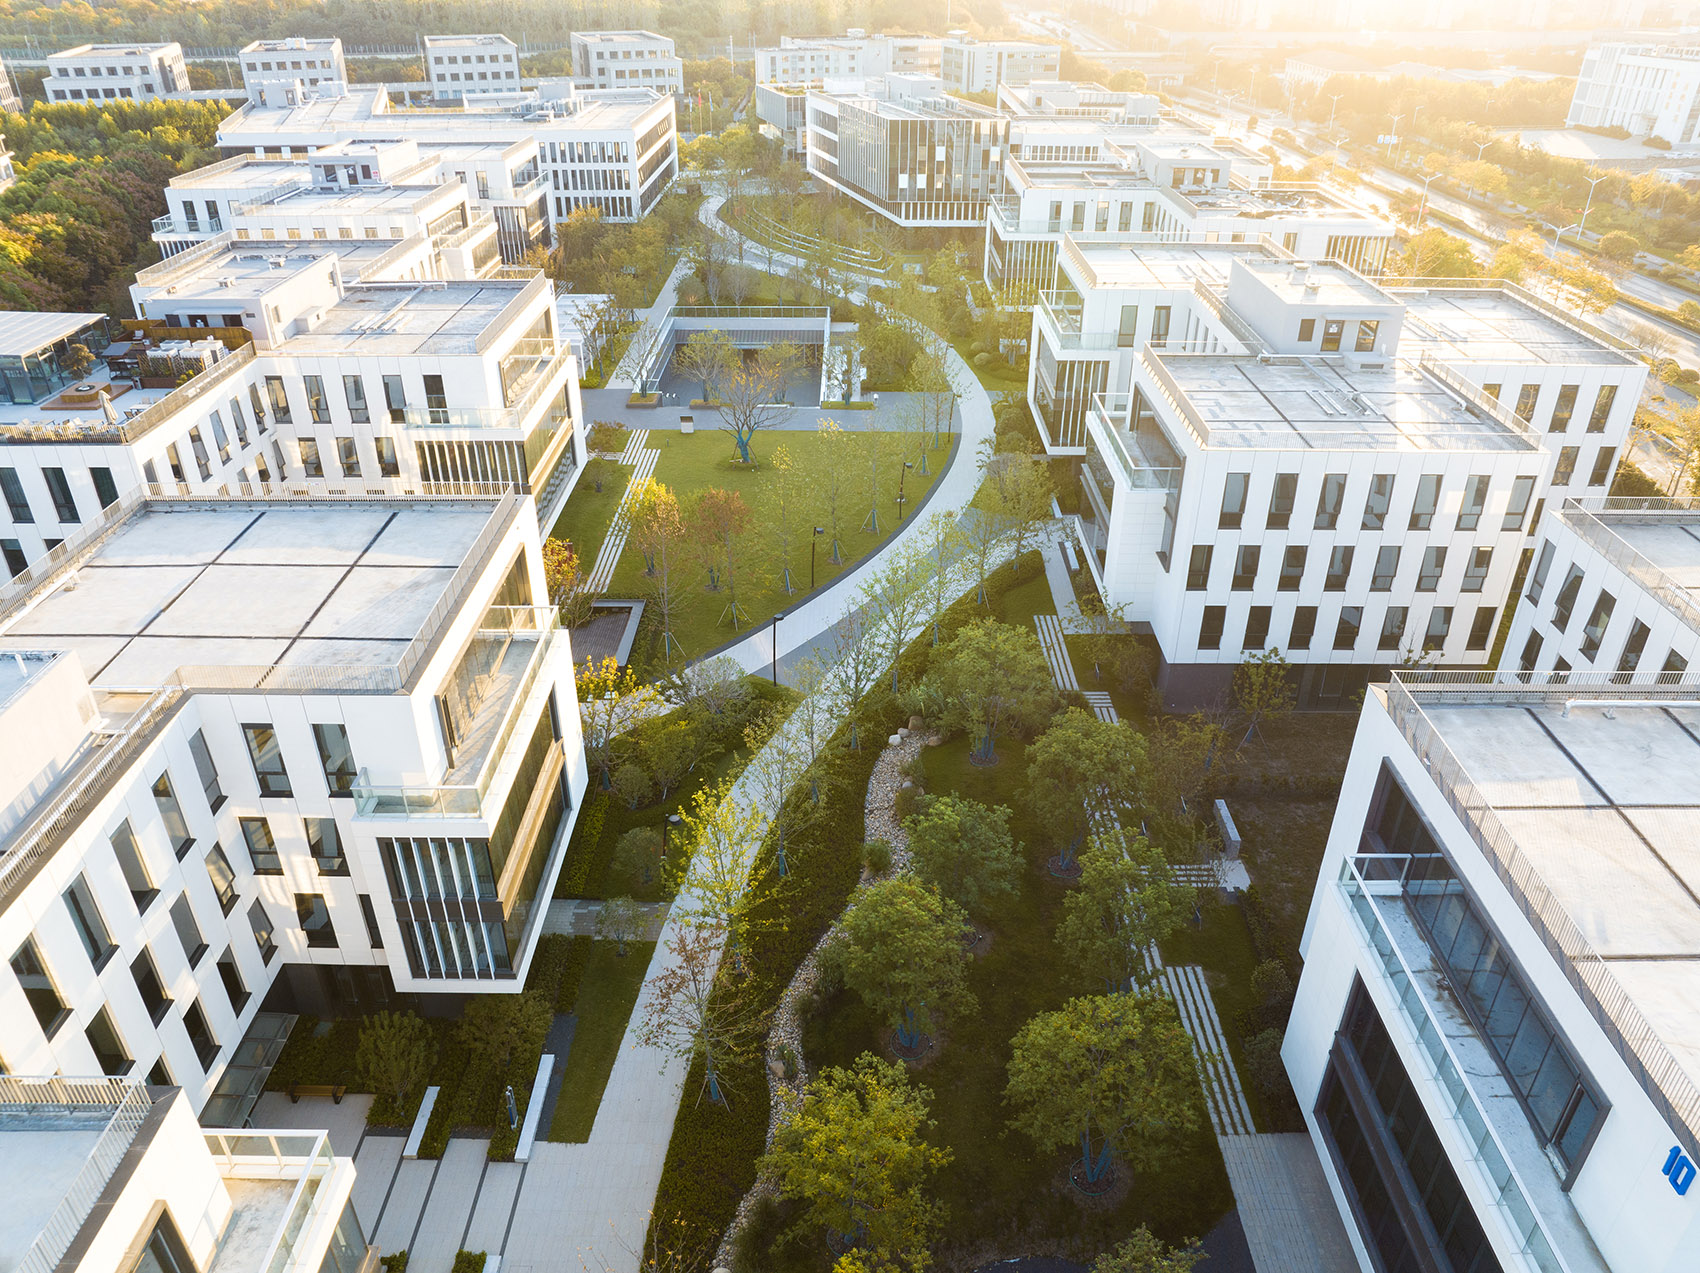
(19, 667)
(24, 332)
(1263, 202)
(440, 320)
(1297, 403)
(357, 114)
(487, 38)
(113, 50)
(252, 583)
(1604, 810)
(618, 37)
(1160, 265)
(1319, 283)
(293, 44)
(1497, 325)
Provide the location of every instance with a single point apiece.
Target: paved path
(576, 917)
(1285, 1205)
(643, 461)
(625, 376)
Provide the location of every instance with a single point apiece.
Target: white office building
(285, 72)
(116, 72)
(627, 59)
(1653, 90)
(1611, 590)
(305, 753)
(1496, 1040)
(9, 100)
(1282, 454)
(461, 66)
(531, 161)
(113, 1175)
(855, 55)
(968, 65)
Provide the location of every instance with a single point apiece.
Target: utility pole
(1393, 137)
(1582, 226)
(1335, 98)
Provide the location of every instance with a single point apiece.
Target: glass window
(1566, 601)
(1481, 628)
(59, 490)
(131, 863)
(223, 878)
(268, 760)
(395, 397)
(1307, 330)
(1210, 627)
(1594, 631)
(1602, 408)
(1292, 568)
(1602, 466)
(1565, 469)
(1245, 568)
(1633, 648)
(1233, 500)
(336, 757)
(1439, 624)
(374, 934)
(85, 918)
(1380, 499)
(1367, 328)
(1428, 499)
(388, 465)
(1281, 500)
(348, 457)
(1346, 630)
(1522, 489)
(310, 461)
(1329, 502)
(262, 848)
(1675, 665)
(354, 390)
(149, 986)
(1198, 568)
(1526, 398)
(1475, 500)
(1159, 325)
(1256, 628)
(1538, 576)
(200, 1034)
(259, 406)
(235, 989)
(1332, 330)
(315, 919)
(171, 813)
(318, 406)
(1564, 408)
(1386, 567)
(206, 770)
(1339, 568)
(108, 1047)
(236, 418)
(1392, 627)
(326, 845)
(1304, 628)
(1127, 334)
(37, 985)
(264, 936)
(17, 503)
(1476, 573)
(279, 399)
(221, 439)
(104, 487)
(188, 930)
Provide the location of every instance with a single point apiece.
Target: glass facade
(39, 374)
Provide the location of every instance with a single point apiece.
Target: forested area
(74, 228)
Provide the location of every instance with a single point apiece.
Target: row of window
(58, 492)
(1594, 629)
(1564, 406)
(101, 94)
(297, 64)
(1248, 559)
(1378, 502)
(336, 759)
(1348, 628)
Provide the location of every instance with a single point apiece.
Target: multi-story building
(9, 100)
(531, 162)
(855, 55)
(627, 59)
(899, 146)
(36, 351)
(460, 66)
(112, 72)
(1282, 454)
(284, 72)
(783, 110)
(331, 387)
(1494, 1039)
(1611, 590)
(1063, 99)
(967, 65)
(1653, 90)
(112, 1175)
(8, 175)
(315, 753)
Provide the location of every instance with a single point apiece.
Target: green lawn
(606, 995)
(691, 463)
(584, 521)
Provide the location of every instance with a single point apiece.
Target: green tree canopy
(992, 680)
(1144, 1252)
(1079, 769)
(902, 952)
(1126, 901)
(964, 849)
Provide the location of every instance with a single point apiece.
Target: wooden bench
(333, 1090)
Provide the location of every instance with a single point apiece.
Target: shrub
(876, 856)
(637, 858)
(395, 1263)
(1263, 1063)
(603, 436)
(632, 785)
(395, 1054)
(469, 1262)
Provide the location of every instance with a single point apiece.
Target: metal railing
(182, 264)
(1453, 1092)
(470, 571)
(179, 399)
(128, 1103)
(1216, 303)
(536, 284)
(305, 1158)
(1667, 1084)
(1065, 310)
(1594, 532)
(478, 228)
(400, 251)
(47, 570)
(1104, 420)
(1561, 316)
(1491, 407)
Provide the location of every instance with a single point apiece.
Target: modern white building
(967, 65)
(303, 753)
(531, 161)
(116, 72)
(1496, 1040)
(1653, 90)
(285, 72)
(111, 1175)
(1280, 453)
(462, 66)
(855, 55)
(9, 100)
(627, 59)
(1612, 589)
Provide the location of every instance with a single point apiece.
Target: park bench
(333, 1090)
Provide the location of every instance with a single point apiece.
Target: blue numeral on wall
(1678, 1169)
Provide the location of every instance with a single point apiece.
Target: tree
(1112, 648)
(1178, 760)
(1619, 247)
(992, 681)
(942, 540)
(1143, 1252)
(394, 1054)
(632, 785)
(1112, 1074)
(720, 875)
(1021, 493)
(660, 533)
(788, 496)
(669, 748)
(776, 765)
(1083, 771)
(901, 951)
(78, 361)
(1263, 1064)
(963, 849)
(876, 450)
(494, 1029)
(1126, 902)
(718, 521)
(690, 1014)
(563, 582)
(611, 700)
(829, 482)
(620, 920)
(706, 356)
(752, 394)
(1436, 254)
(856, 1153)
(892, 600)
(856, 664)
(1263, 691)
(929, 381)
(636, 855)
(1481, 177)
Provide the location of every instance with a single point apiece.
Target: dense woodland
(75, 226)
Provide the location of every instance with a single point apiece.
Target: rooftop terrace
(1466, 321)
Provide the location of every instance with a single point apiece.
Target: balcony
(1106, 425)
(536, 370)
(289, 1191)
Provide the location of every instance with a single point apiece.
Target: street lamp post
(1582, 225)
(1393, 136)
(1335, 99)
(774, 629)
(1422, 208)
(907, 465)
(814, 543)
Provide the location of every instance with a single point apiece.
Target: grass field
(691, 463)
(606, 995)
